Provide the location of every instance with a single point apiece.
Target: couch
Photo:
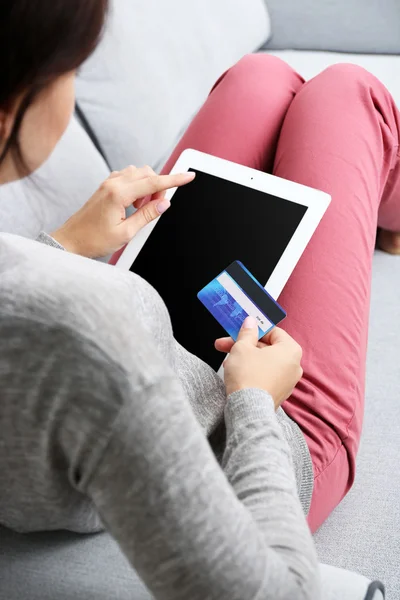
(135, 97)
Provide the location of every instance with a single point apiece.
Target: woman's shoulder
(89, 299)
(45, 283)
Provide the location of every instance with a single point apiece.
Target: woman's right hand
(271, 364)
(101, 227)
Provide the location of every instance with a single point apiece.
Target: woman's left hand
(100, 227)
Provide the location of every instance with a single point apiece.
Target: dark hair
(41, 40)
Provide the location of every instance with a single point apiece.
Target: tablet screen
(211, 223)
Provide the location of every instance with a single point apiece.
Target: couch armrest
(339, 584)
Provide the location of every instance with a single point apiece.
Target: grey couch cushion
(363, 533)
(339, 25)
(309, 64)
(66, 566)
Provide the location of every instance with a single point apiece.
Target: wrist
(68, 241)
(232, 389)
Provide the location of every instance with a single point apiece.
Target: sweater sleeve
(189, 529)
(45, 238)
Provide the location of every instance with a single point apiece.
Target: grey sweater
(104, 421)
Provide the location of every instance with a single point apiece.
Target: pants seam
(331, 462)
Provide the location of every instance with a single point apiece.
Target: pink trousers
(338, 133)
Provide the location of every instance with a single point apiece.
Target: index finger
(159, 183)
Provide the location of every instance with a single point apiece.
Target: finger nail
(163, 206)
(249, 323)
(189, 176)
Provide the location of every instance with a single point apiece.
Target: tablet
(228, 213)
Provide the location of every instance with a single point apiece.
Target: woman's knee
(345, 78)
(261, 63)
(263, 66)
(255, 71)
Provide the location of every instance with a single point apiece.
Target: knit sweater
(106, 421)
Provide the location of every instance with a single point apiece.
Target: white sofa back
(155, 67)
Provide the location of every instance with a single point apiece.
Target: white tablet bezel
(316, 201)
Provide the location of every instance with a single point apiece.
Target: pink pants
(338, 133)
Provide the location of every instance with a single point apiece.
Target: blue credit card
(236, 294)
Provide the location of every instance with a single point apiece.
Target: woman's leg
(340, 135)
(243, 115)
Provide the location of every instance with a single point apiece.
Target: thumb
(249, 332)
(144, 215)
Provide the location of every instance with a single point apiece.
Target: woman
(132, 451)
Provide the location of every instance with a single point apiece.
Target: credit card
(236, 294)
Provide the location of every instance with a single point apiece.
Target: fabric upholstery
(338, 25)
(344, 585)
(68, 566)
(155, 67)
(309, 64)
